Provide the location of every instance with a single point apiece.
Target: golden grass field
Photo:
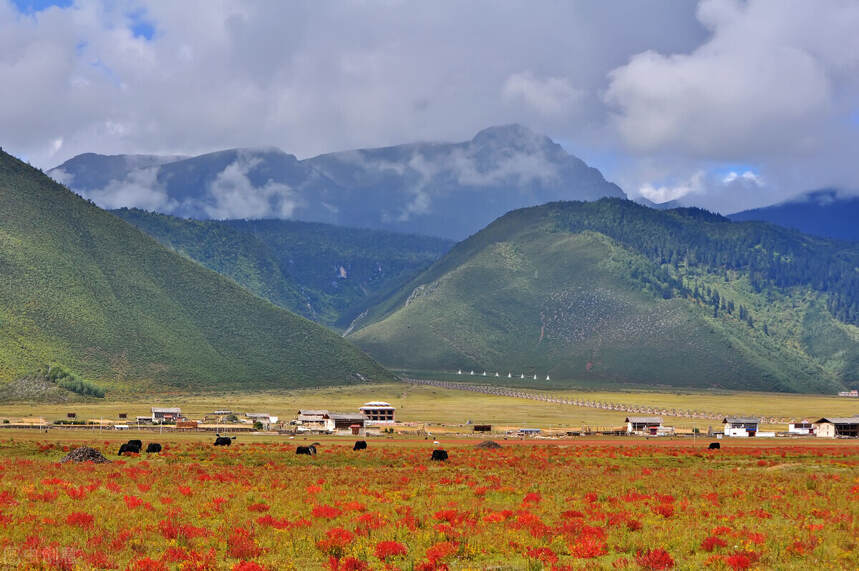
(434, 406)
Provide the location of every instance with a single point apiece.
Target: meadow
(610, 504)
(434, 406)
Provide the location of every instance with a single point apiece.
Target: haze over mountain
(440, 189)
(828, 213)
(616, 292)
(86, 290)
(329, 274)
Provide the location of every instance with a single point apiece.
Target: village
(378, 418)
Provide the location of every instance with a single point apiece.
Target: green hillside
(329, 274)
(81, 288)
(614, 292)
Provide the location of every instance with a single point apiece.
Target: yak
(153, 448)
(129, 447)
(138, 443)
(309, 450)
(714, 446)
(223, 440)
(360, 445)
(439, 455)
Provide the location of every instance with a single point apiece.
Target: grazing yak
(132, 446)
(223, 440)
(714, 446)
(309, 450)
(439, 455)
(360, 445)
(153, 448)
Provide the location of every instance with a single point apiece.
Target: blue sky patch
(33, 6)
(140, 26)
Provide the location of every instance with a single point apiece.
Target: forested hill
(85, 290)
(327, 273)
(618, 292)
(771, 256)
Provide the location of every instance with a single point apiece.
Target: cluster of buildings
(374, 413)
(749, 427)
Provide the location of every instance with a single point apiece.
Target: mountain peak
(511, 135)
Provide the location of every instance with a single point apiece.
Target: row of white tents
(471, 373)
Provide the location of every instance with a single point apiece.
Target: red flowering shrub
(654, 559)
(387, 549)
(80, 519)
(711, 542)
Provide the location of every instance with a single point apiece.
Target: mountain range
(828, 213)
(450, 190)
(83, 289)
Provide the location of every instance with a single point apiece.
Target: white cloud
(549, 96)
(747, 176)
(140, 189)
(665, 193)
(233, 195)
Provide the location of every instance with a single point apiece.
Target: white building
(741, 426)
(643, 425)
(801, 427)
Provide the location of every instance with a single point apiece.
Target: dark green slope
(80, 287)
(615, 292)
(329, 274)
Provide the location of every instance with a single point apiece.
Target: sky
(723, 104)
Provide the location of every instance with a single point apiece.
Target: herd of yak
(135, 446)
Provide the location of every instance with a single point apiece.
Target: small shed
(166, 414)
(837, 427)
(643, 425)
(741, 426)
(482, 428)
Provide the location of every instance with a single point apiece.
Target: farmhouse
(741, 426)
(643, 425)
(160, 415)
(313, 419)
(378, 412)
(834, 427)
(800, 427)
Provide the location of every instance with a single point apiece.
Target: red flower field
(554, 506)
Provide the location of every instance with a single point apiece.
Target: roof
(644, 419)
(377, 403)
(839, 420)
(309, 412)
(311, 418)
(166, 410)
(742, 420)
(346, 416)
(257, 415)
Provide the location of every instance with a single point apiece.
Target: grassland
(436, 406)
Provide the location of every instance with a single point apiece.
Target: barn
(837, 427)
(643, 425)
(343, 421)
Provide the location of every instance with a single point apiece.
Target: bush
(72, 382)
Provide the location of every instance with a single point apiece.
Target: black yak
(309, 450)
(223, 440)
(360, 445)
(137, 443)
(714, 446)
(153, 448)
(439, 455)
(128, 448)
